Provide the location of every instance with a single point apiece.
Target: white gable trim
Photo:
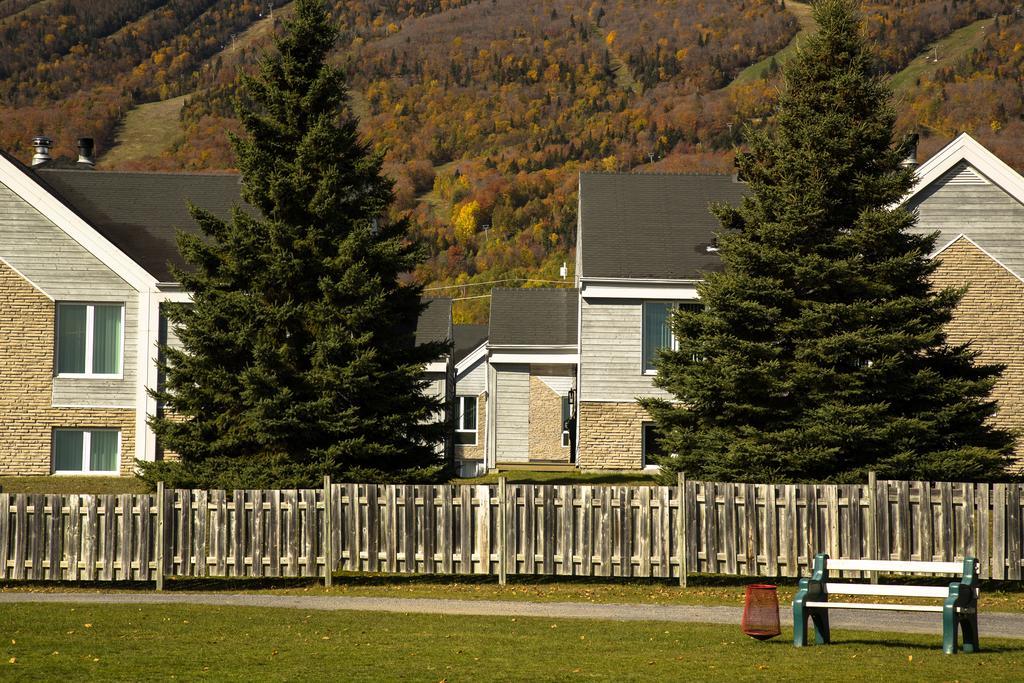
(74, 226)
(977, 246)
(470, 360)
(966, 148)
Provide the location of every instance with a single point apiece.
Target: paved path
(992, 624)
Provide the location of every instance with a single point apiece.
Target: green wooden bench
(959, 608)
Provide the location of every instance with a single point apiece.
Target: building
(85, 265)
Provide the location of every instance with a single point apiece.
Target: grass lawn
(610, 477)
(72, 485)
(49, 484)
(702, 590)
(131, 642)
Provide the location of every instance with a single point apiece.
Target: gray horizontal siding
(983, 212)
(66, 271)
(611, 352)
(474, 382)
(512, 412)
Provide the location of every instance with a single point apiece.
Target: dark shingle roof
(651, 225)
(533, 317)
(142, 212)
(467, 338)
(435, 322)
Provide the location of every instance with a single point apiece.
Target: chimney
(42, 145)
(85, 152)
(910, 161)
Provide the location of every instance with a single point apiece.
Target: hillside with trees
(486, 110)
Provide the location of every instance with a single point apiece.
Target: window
(566, 416)
(651, 444)
(89, 339)
(465, 423)
(657, 332)
(86, 450)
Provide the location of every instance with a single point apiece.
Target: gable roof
(467, 338)
(651, 226)
(435, 322)
(141, 213)
(533, 317)
(984, 196)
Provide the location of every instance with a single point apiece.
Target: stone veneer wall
(464, 452)
(991, 316)
(546, 423)
(611, 435)
(27, 414)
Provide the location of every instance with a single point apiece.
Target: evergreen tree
(821, 351)
(299, 356)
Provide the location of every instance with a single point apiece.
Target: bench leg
(950, 622)
(818, 616)
(822, 635)
(969, 628)
(799, 625)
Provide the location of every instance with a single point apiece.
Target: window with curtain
(656, 334)
(89, 339)
(86, 451)
(465, 423)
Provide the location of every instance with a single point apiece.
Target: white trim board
(74, 226)
(539, 357)
(639, 289)
(471, 359)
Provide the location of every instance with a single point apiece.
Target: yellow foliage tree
(465, 219)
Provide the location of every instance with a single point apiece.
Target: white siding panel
(474, 381)
(512, 394)
(66, 271)
(610, 352)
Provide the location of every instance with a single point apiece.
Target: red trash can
(761, 612)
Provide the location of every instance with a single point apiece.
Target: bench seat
(959, 608)
(867, 605)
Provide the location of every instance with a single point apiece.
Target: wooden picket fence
(507, 529)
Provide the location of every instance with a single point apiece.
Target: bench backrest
(966, 572)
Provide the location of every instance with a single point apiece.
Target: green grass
(702, 590)
(146, 131)
(947, 49)
(73, 485)
(131, 642)
(611, 478)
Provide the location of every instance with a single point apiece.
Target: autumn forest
(486, 110)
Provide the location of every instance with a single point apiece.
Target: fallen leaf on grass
(13, 660)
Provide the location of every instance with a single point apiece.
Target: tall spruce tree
(298, 353)
(821, 352)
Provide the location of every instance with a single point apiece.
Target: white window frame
(86, 453)
(90, 329)
(644, 461)
(566, 442)
(461, 403)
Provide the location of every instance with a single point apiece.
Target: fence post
(682, 529)
(502, 521)
(873, 521)
(328, 534)
(159, 535)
